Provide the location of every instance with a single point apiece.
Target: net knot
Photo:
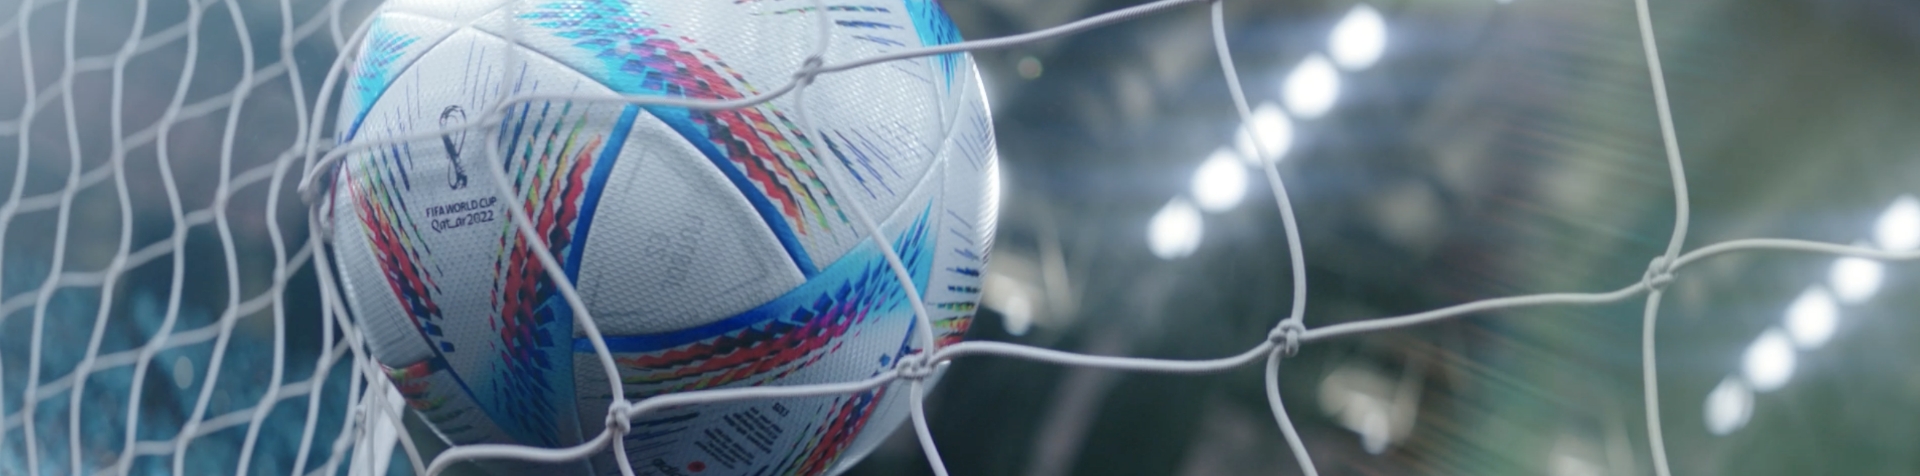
(314, 184)
(1287, 336)
(617, 420)
(1659, 274)
(914, 367)
(313, 190)
(808, 69)
(358, 415)
(322, 215)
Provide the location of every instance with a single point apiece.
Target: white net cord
(74, 384)
(361, 424)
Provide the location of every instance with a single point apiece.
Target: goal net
(167, 304)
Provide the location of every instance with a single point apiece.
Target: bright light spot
(1029, 67)
(1220, 182)
(1811, 318)
(1568, 464)
(1359, 38)
(1373, 429)
(1018, 314)
(182, 372)
(1174, 231)
(1856, 280)
(1015, 300)
(1769, 361)
(1729, 406)
(1271, 126)
(1899, 227)
(1312, 87)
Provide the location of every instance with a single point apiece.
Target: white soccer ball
(707, 246)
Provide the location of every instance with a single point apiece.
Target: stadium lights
(1359, 38)
(1899, 227)
(1811, 320)
(1174, 231)
(1812, 317)
(1769, 361)
(1855, 279)
(1312, 87)
(1309, 91)
(1220, 182)
(1270, 124)
(1729, 406)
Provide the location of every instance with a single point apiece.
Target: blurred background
(1439, 152)
(1436, 152)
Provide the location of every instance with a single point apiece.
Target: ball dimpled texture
(707, 246)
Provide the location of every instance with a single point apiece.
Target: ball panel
(392, 44)
(889, 416)
(848, 323)
(438, 237)
(880, 124)
(442, 402)
(963, 178)
(968, 172)
(621, 47)
(456, 12)
(391, 335)
(673, 243)
(456, 290)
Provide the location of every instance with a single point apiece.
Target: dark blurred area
(1493, 149)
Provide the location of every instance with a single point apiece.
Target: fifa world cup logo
(452, 115)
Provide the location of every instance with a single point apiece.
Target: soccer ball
(706, 245)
